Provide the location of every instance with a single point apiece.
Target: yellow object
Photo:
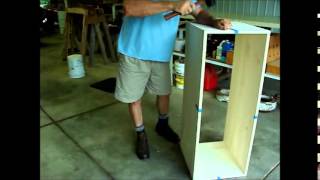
(180, 82)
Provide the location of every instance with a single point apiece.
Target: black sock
(140, 128)
(163, 119)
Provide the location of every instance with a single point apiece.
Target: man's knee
(135, 103)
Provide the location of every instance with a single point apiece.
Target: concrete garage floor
(87, 134)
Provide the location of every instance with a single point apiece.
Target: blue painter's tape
(235, 31)
(255, 117)
(198, 109)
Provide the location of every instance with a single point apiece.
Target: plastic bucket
(61, 20)
(76, 69)
(179, 45)
(179, 68)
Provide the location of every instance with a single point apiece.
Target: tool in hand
(175, 13)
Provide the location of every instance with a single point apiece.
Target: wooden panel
(77, 11)
(193, 92)
(250, 55)
(101, 43)
(214, 161)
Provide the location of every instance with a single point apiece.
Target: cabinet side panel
(193, 92)
(245, 91)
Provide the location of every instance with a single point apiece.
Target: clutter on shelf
(267, 103)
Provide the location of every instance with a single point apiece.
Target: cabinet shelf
(215, 157)
(216, 62)
(178, 54)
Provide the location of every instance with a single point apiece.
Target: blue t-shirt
(148, 38)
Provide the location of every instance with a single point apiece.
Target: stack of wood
(273, 59)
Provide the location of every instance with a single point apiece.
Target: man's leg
(163, 104)
(142, 148)
(162, 127)
(135, 111)
(132, 78)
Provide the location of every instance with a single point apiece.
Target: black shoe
(142, 149)
(165, 131)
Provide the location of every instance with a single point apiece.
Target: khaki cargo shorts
(136, 75)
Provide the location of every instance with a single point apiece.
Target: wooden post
(101, 43)
(66, 37)
(92, 45)
(109, 41)
(84, 37)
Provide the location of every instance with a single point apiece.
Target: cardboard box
(274, 67)
(274, 48)
(229, 57)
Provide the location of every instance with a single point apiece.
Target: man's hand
(221, 24)
(203, 17)
(184, 7)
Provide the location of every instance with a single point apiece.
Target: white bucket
(61, 19)
(179, 68)
(179, 44)
(76, 69)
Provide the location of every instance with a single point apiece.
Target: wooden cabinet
(230, 157)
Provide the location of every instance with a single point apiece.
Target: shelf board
(214, 161)
(272, 76)
(178, 54)
(215, 62)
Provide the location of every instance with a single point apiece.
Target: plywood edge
(237, 28)
(192, 97)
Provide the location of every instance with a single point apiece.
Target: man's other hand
(222, 24)
(184, 7)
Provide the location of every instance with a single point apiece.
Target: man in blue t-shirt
(145, 44)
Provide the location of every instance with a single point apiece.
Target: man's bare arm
(141, 8)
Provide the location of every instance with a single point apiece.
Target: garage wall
(260, 8)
